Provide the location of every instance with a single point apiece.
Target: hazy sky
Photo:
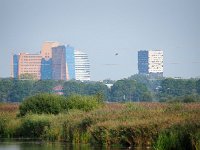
(102, 28)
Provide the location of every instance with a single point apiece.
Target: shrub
(85, 103)
(3, 124)
(177, 137)
(33, 126)
(42, 103)
(54, 104)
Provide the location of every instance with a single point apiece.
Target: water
(43, 146)
(34, 145)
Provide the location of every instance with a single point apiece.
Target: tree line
(135, 88)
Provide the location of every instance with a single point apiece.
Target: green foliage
(178, 138)
(182, 99)
(42, 103)
(73, 87)
(177, 87)
(130, 90)
(33, 126)
(42, 86)
(9, 126)
(3, 124)
(198, 86)
(54, 104)
(123, 90)
(85, 88)
(20, 90)
(135, 88)
(86, 123)
(85, 103)
(5, 89)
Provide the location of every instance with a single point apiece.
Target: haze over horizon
(104, 28)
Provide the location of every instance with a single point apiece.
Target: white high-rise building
(82, 66)
(150, 62)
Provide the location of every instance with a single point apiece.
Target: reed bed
(158, 125)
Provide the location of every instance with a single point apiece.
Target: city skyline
(103, 29)
(55, 61)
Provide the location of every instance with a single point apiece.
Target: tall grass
(161, 126)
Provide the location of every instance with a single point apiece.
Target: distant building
(70, 62)
(58, 90)
(55, 62)
(15, 67)
(46, 51)
(82, 66)
(150, 62)
(109, 85)
(59, 63)
(46, 69)
(27, 64)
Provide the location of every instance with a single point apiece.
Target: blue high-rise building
(15, 66)
(150, 63)
(143, 62)
(70, 61)
(46, 69)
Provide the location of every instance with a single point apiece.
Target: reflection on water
(48, 146)
(42, 146)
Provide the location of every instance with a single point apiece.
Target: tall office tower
(15, 64)
(46, 69)
(46, 52)
(59, 63)
(70, 62)
(82, 66)
(29, 64)
(150, 62)
(47, 49)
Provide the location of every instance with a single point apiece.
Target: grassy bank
(159, 125)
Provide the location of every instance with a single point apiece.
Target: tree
(5, 88)
(20, 90)
(42, 86)
(198, 86)
(177, 87)
(73, 87)
(96, 88)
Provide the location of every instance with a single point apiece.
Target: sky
(102, 28)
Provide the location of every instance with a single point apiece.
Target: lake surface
(43, 146)
(33, 145)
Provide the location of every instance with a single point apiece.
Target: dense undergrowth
(159, 125)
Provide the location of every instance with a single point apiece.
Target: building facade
(59, 71)
(70, 62)
(82, 66)
(55, 62)
(29, 64)
(46, 69)
(46, 51)
(15, 66)
(143, 62)
(150, 62)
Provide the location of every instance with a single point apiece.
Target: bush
(33, 126)
(85, 103)
(177, 137)
(3, 124)
(42, 103)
